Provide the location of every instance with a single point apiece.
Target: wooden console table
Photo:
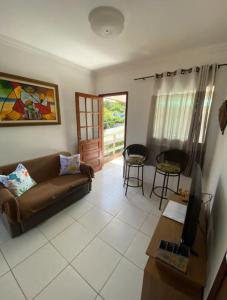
(163, 282)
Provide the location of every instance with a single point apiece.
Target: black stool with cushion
(170, 163)
(134, 157)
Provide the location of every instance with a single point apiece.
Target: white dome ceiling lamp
(106, 21)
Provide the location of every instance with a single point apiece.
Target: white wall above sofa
(24, 142)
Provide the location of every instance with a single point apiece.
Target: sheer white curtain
(179, 111)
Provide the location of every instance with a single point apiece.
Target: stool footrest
(138, 181)
(160, 187)
(164, 188)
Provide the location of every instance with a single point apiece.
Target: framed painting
(25, 101)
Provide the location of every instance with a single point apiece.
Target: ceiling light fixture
(106, 21)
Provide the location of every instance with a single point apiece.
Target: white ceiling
(152, 27)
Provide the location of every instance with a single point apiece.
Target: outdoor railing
(113, 140)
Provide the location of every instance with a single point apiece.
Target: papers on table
(175, 211)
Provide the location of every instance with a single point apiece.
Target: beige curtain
(179, 112)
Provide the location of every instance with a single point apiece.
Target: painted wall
(215, 175)
(19, 143)
(121, 78)
(215, 172)
(215, 148)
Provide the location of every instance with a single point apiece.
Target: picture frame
(25, 101)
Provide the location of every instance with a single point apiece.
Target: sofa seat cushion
(45, 193)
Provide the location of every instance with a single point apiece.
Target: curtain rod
(151, 76)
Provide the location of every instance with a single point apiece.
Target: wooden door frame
(100, 130)
(126, 108)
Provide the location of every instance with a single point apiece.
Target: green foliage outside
(114, 114)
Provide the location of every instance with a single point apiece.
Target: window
(174, 113)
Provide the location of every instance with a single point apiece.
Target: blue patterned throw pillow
(19, 181)
(69, 164)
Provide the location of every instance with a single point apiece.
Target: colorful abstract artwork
(26, 101)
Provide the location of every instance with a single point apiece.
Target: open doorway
(114, 124)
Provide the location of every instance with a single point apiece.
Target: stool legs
(138, 176)
(163, 190)
(178, 183)
(167, 182)
(153, 182)
(142, 181)
(127, 180)
(164, 186)
(125, 173)
(127, 177)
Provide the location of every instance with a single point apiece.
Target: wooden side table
(163, 282)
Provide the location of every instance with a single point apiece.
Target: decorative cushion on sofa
(19, 181)
(69, 164)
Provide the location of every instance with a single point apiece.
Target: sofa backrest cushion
(40, 169)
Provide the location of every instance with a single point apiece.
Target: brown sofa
(51, 194)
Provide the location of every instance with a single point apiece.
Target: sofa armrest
(9, 205)
(87, 170)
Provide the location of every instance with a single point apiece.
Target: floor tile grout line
(10, 271)
(2, 275)
(50, 281)
(133, 227)
(70, 264)
(100, 296)
(100, 210)
(6, 263)
(83, 214)
(122, 257)
(140, 229)
(18, 284)
(103, 209)
(69, 261)
(122, 254)
(133, 205)
(33, 252)
(132, 262)
(82, 277)
(95, 236)
(74, 221)
(114, 216)
(49, 239)
(106, 242)
(110, 275)
(47, 242)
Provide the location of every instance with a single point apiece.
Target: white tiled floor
(94, 249)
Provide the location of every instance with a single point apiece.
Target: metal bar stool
(170, 163)
(134, 157)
